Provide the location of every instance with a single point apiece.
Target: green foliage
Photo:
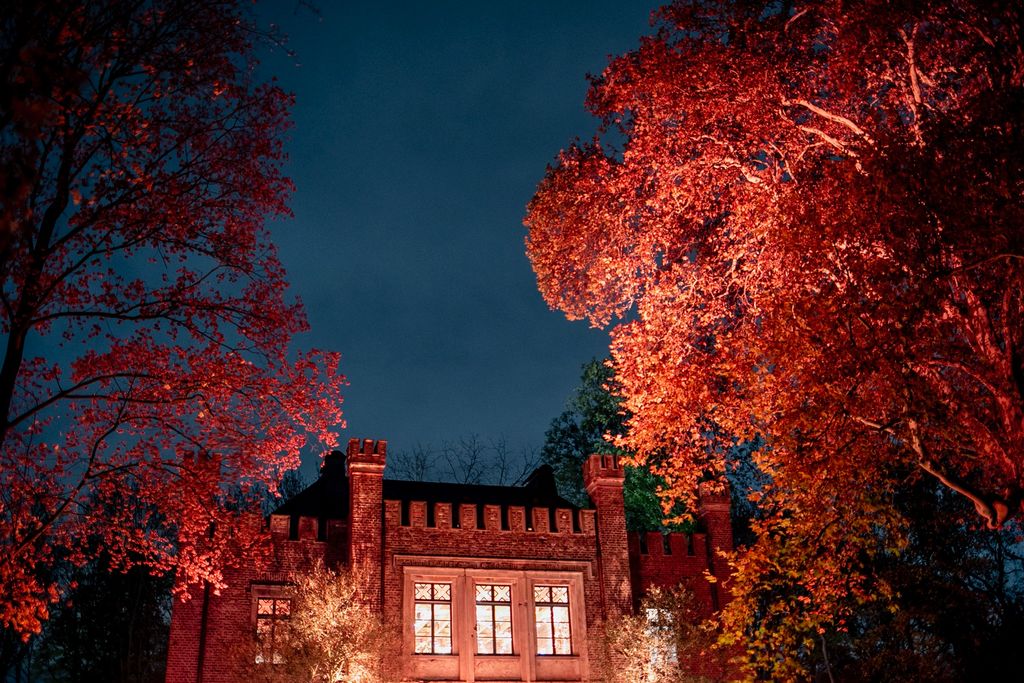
(112, 627)
(593, 415)
(593, 418)
(958, 608)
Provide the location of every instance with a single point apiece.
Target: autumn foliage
(330, 636)
(810, 233)
(147, 355)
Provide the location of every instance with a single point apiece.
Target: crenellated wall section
(667, 560)
(393, 536)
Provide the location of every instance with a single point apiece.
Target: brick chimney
(365, 460)
(604, 477)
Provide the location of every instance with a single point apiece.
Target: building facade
(489, 583)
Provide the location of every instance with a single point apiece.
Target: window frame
(517, 573)
(433, 601)
(551, 605)
(492, 604)
(412, 576)
(277, 592)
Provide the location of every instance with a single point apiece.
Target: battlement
(368, 451)
(497, 518)
(307, 528)
(656, 545)
(714, 496)
(667, 560)
(603, 470)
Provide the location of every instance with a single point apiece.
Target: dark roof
(327, 497)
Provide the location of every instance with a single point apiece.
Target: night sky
(421, 131)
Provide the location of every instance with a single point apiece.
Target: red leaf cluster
(147, 362)
(812, 234)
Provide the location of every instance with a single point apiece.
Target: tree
(592, 420)
(148, 327)
(666, 641)
(811, 234)
(467, 460)
(113, 627)
(958, 603)
(329, 636)
(593, 416)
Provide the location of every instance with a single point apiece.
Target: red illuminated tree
(147, 356)
(813, 233)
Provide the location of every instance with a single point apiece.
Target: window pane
(443, 629)
(503, 629)
(561, 630)
(541, 594)
(502, 593)
(423, 591)
(484, 645)
(544, 646)
(443, 612)
(423, 612)
(562, 646)
(271, 618)
(543, 615)
(502, 613)
(443, 646)
(503, 646)
(560, 615)
(423, 644)
(423, 627)
(543, 627)
(442, 591)
(483, 593)
(560, 594)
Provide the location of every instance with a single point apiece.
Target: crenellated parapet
(602, 470)
(307, 528)
(366, 454)
(495, 518)
(668, 560)
(669, 547)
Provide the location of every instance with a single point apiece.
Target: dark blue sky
(421, 131)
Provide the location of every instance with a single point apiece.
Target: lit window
(271, 615)
(493, 619)
(551, 614)
(432, 625)
(660, 635)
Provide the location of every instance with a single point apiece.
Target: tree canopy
(147, 358)
(592, 421)
(804, 219)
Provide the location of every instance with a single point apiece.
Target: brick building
(490, 583)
